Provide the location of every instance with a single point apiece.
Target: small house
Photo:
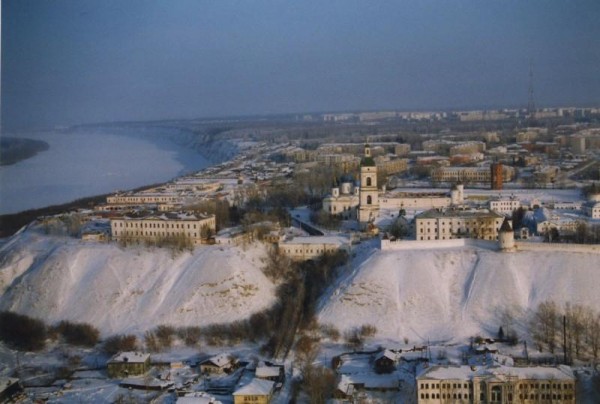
(385, 361)
(125, 364)
(220, 364)
(258, 391)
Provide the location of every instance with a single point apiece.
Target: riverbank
(13, 150)
(11, 223)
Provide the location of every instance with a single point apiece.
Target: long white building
(447, 224)
(154, 227)
(496, 384)
(306, 248)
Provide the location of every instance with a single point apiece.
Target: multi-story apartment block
(496, 384)
(386, 166)
(402, 149)
(153, 227)
(469, 174)
(446, 224)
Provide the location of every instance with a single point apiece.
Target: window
(369, 199)
(368, 181)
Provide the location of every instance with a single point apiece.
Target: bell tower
(368, 208)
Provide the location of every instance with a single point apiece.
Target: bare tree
(544, 325)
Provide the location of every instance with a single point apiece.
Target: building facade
(447, 224)
(469, 174)
(125, 364)
(505, 206)
(344, 200)
(307, 248)
(496, 385)
(152, 227)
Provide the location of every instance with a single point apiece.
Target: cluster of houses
(245, 382)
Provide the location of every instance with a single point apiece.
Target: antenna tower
(530, 102)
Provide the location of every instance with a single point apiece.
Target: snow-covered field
(91, 163)
(130, 289)
(452, 294)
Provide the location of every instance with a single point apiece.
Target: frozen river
(85, 164)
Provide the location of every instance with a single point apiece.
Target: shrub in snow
(22, 332)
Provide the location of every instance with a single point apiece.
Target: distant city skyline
(66, 62)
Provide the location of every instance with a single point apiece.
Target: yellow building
(258, 391)
(125, 364)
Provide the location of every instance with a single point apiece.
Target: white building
(343, 200)
(505, 206)
(496, 384)
(154, 227)
(306, 248)
(447, 224)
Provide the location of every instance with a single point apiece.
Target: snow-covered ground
(451, 294)
(130, 289)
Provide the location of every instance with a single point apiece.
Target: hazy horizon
(66, 62)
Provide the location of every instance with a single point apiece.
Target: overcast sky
(77, 61)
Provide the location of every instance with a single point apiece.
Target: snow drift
(130, 289)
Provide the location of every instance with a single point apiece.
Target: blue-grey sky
(77, 61)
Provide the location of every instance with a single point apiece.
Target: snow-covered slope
(454, 293)
(130, 289)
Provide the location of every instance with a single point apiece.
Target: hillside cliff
(447, 294)
(132, 289)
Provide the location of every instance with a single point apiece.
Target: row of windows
(138, 225)
(544, 386)
(456, 396)
(151, 233)
(425, 386)
(311, 251)
(545, 396)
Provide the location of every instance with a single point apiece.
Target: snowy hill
(132, 289)
(447, 294)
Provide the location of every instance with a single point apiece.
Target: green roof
(367, 162)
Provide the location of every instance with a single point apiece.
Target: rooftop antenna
(531, 102)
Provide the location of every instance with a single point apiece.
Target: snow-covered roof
(6, 382)
(268, 371)
(130, 357)
(386, 353)
(257, 387)
(197, 398)
(524, 373)
(370, 381)
(220, 360)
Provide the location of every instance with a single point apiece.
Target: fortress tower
(506, 236)
(368, 208)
